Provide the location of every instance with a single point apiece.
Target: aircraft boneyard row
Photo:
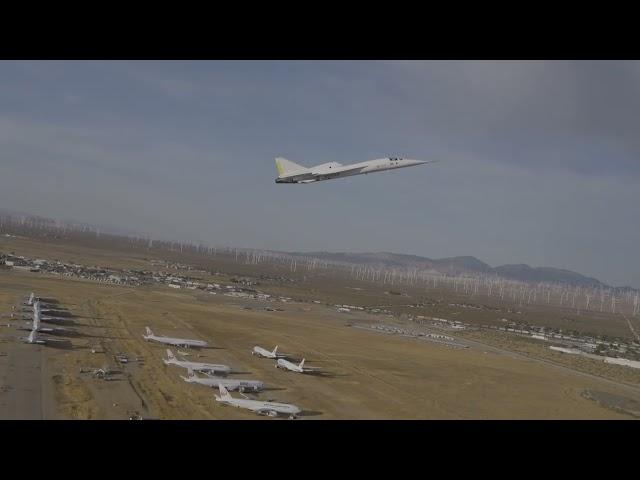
(35, 328)
(215, 376)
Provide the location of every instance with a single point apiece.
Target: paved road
(20, 381)
(481, 345)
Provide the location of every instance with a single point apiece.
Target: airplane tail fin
(275, 350)
(149, 332)
(302, 363)
(224, 393)
(170, 355)
(287, 167)
(190, 375)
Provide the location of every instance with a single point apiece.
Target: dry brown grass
(368, 375)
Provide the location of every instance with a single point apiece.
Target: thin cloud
(539, 160)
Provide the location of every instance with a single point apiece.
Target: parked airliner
(271, 409)
(294, 367)
(229, 383)
(195, 366)
(261, 352)
(179, 342)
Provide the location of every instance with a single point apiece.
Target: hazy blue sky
(539, 160)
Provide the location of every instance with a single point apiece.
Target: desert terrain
(365, 374)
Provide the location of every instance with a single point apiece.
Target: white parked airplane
(47, 310)
(229, 383)
(47, 319)
(299, 368)
(178, 342)
(272, 409)
(37, 301)
(29, 301)
(33, 338)
(261, 352)
(37, 312)
(35, 325)
(195, 366)
(290, 172)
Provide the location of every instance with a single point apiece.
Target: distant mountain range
(460, 265)
(448, 266)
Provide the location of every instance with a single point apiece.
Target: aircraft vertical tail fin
(287, 167)
(170, 355)
(275, 350)
(302, 363)
(149, 332)
(224, 393)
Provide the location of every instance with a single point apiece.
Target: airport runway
(21, 381)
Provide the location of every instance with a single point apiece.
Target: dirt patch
(73, 397)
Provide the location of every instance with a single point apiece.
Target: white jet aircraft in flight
(178, 342)
(298, 368)
(230, 383)
(272, 409)
(195, 366)
(261, 352)
(290, 172)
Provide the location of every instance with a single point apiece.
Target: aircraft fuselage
(331, 170)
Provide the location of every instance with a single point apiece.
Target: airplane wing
(266, 411)
(337, 171)
(303, 177)
(52, 340)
